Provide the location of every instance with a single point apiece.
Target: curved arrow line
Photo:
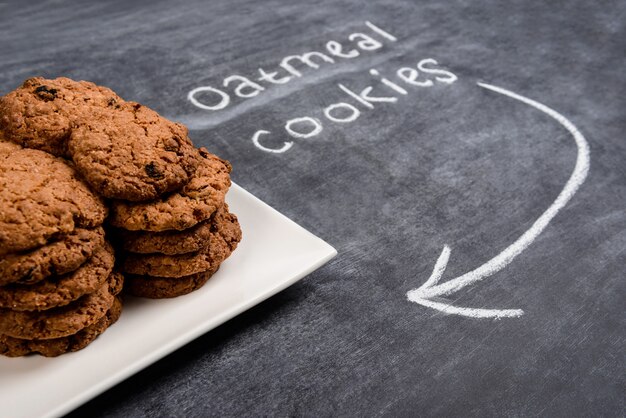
(440, 267)
(430, 288)
(471, 312)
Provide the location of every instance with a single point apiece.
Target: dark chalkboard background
(452, 164)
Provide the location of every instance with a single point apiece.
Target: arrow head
(426, 290)
(423, 294)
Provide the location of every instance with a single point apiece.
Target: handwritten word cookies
(384, 90)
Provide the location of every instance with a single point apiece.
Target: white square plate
(273, 254)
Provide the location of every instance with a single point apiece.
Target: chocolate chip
(153, 171)
(46, 94)
(113, 103)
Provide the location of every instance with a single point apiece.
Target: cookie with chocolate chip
(58, 291)
(40, 113)
(174, 242)
(61, 256)
(194, 203)
(223, 240)
(131, 152)
(16, 347)
(166, 287)
(41, 198)
(62, 321)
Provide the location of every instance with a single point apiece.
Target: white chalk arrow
(424, 294)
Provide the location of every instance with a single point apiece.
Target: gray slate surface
(451, 164)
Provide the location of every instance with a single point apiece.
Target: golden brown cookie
(174, 242)
(222, 242)
(39, 114)
(193, 204)
(59, 257)
(63, 321)
(166, 287)
(131, 152)
(16, 347)
(41, 197)
(58, 291)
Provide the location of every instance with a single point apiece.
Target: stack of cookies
(122, 149)
(168, 221)
(177, 242)
(58, 291)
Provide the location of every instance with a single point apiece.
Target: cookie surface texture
(59, 257)
(173, 242)
(41, 196)
(131, 152)
(58, 291)
(223, 241)
(40, 113)
(166, 287)
(16, 347)
(196, 202)
(57, 322)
